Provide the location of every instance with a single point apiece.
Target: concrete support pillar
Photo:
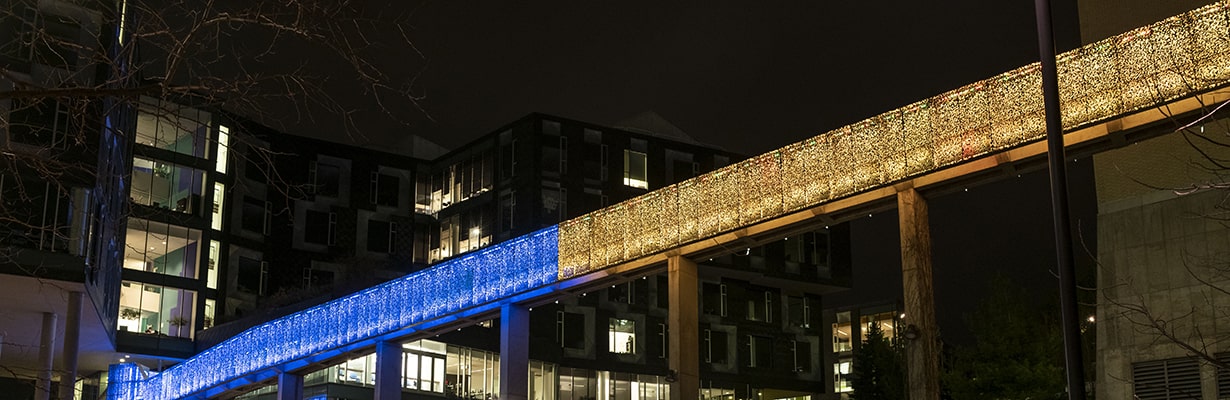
(514, 352)
(46, 357)
(683, 324)
(388, 371)
(290, 386)
(922, 353)
(72, 341)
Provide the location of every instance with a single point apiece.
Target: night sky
(751, 77)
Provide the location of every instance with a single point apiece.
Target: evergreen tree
(1018, 353)
(879, 368)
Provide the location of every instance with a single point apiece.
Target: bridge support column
(922, 352)
(72, 342)
(514, 352)
(290, 386)
(46, 357)
(388, 371)
(683, 324)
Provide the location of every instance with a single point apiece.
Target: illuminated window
(215, 253)
(841, 376)
(621, 336)
(162, 248)
(841, 333)
(168, 186)
(883, 320)
(224, 139)
(636, 173)
(156, 310)
(215, 221)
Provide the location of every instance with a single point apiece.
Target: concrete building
(1161, 245)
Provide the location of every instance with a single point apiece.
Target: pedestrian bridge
(1151, 74)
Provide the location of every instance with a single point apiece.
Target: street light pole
(1059, 203)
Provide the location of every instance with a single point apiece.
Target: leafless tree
(74, 71)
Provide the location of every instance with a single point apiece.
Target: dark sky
(747, 76)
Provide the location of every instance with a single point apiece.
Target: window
(215, 253)
(841, 376)
(621, 336)
(380, 236)
(885, 321)
(386, 189)
(215, 218)
(1177, 378)
(156, 310)
(570, 330)
(508, 205)
(842, 340)
(800, 311)
(210, 305)
(42, 122)
(621, 293)
(57, 41)
(320, 227)
(716, 343)
(760, 307)
(253, 276)
(759, 352)
(635, 170)
(224, 139)
(255, 215)
(508, 155)
(173, 127)
(40, 215)
(1223, 376)
(167, 186)
(162, 248)
(326, 179)
(802, 355)
(664, 339)
(715, 299)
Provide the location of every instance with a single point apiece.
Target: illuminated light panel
(124, 381)
(480, 277)
(1142, 68)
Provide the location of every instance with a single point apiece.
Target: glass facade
(162, 248)
(842, 335)
(886, 321)
(168, 186)
(156, 310)
(169, 126)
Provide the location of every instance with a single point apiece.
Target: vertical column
(46, 353)
(683, 323)
(290, 386)
(388, 371)
(922, 353)
(72, 341)
(514, 352)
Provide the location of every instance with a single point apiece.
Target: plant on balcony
(130, 313)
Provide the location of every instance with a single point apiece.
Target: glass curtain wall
(168, 186)
(156, 310)
(162, 248)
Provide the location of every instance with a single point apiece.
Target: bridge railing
(1142, 68)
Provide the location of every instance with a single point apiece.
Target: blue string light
(491, 274)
